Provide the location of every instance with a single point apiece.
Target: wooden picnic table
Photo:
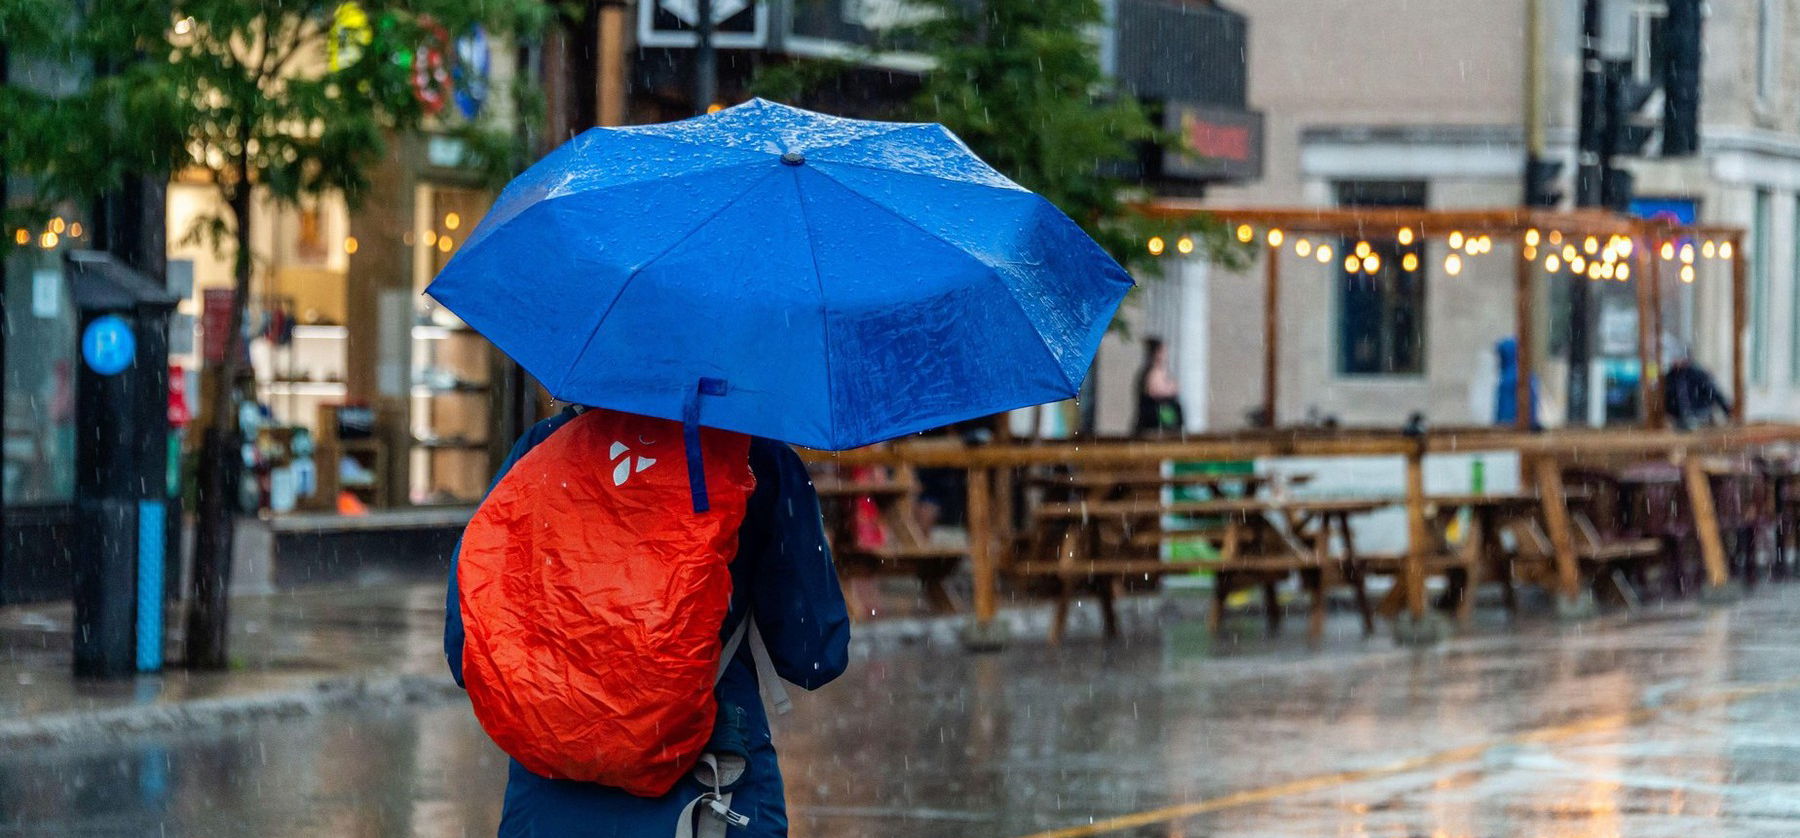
(903, 548)
(1260, 541)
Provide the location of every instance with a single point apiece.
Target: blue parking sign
(108, 346)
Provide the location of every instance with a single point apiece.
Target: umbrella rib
(812, 252)
(635, 272)
(992, 272)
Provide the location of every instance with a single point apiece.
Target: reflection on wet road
(1674, 724)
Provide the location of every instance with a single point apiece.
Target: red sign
(1216, 143)
(179, 413)
(215, 323)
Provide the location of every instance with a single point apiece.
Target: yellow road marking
(1448, 757)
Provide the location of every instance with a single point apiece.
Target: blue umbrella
(823, 281)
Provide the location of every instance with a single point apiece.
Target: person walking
(783, 579)
(1158, 397)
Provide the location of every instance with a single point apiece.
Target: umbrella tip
(793, 158)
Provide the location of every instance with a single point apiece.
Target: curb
(336, 693)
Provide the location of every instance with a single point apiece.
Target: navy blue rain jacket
(783, 573)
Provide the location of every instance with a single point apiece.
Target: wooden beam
(981, 546)
(1657, 413)
(1562, 533)
(1706, 521)
(1525, 334)
(609, 76)
(1419, 538)
(1570, 444)
(1739, 322)
(1271, 332)
(1643, 280)
(1383, 222)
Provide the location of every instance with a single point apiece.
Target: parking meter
(121, 465)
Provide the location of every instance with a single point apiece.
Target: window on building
(1760, 236)
(40, 380)
(1381, 303)
(1647, 17)
(1768, 50)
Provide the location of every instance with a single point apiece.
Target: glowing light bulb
(452, 221)
(1724, 250)
(1405, 236)
(1687, 273)
(1302, 248)
(1708, 249)
(445, 243)
(1409, 262)
(1362, 249)
(47, 240)
(1578, 265)
(1323, 254)
(350, 244)
(1687, 254)
(1623, 272)
(1371, 263)
(1245, 234)
(1453, 264)
(1156, 245)
(1556, 237)
(1531, 237)
(1590, 245)
(1552, 264)
(1184, 245)
(1352, 264)
(1667, 251)
(1275, 238)
(1456, 239)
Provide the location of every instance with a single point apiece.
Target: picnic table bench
(900, 546)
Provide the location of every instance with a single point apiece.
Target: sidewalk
(312, 650)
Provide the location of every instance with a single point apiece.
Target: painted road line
(1466, 753)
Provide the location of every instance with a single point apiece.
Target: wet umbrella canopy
(823, 281)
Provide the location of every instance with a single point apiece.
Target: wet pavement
(1680, 722)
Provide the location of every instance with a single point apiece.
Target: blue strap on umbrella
(690, 434)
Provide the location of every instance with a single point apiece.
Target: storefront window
(40, 385)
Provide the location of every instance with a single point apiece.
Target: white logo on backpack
(622, 468)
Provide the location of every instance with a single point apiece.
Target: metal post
(1590, 171)
(706, 69)
(1271, 333)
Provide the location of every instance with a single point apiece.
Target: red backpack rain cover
(592, 596)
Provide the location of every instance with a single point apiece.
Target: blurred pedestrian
(1690, 396)
(1158, 396)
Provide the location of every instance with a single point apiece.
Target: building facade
(1426, 106)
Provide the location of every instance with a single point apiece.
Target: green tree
(1020, 81)
(292, 97)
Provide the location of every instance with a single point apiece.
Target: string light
(1245, 234)
(350, 245)
(57, 226)
(48, 240)
(1556, 237)
(1687, 273)
(445, 243)
(1362, 249)
(1184, 245)
(1323, 254)
(1371, 263)
(452, 221)
(22, 236)
(1667, 251)
(1687, 254)
(1590, 245)
(1155, 244)
(430, 238)
(1593, 271)
(1530, 253)
(75, 229)
(1624, 246)
(1578, 265)
(1405, 236)
(1352, 264)
(1608, 270)
(1568, 253)
(1453, 264)
(1532, 237)
(1708, 249)
(1275, 237)
(1456, 239)
(1624, 272)
(1552, 264)
(1724, 250)
(1302, 248)
(1409, 262)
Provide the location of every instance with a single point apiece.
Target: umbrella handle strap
(690, 434)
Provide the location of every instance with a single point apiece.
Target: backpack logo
(623, 466)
